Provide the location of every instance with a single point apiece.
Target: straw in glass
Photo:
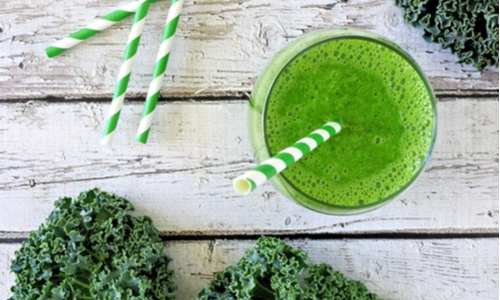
(159, 71)
(92, 29)
(269, 168)
(125, 71)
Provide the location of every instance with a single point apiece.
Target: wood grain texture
(220, 48)
(183, 177)
(394, 269)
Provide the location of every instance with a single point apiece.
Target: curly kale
(468, 27)
(92, 248)
(274, 270)
(326, 284)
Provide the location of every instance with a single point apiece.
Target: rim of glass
(316, 204)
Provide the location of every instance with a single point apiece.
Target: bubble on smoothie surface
(387, 115)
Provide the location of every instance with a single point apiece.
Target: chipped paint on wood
(183, 178)
(220, 48)
(428, 269)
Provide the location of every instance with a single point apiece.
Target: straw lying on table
(140, 8)
(92, 29)
(159, 71)
(125, 71)
(269, 168)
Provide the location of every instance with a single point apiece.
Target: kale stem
(263, 293)
(75, 281)
(95, 255)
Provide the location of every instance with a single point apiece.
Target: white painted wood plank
(6, 278)
(394, 269)
(183, 177)
(220, 47)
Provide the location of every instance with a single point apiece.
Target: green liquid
(384, 105)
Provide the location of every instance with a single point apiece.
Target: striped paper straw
(125, 70)
(92, 29)
(159, 71)
(258, 175)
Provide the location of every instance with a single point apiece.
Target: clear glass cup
(259, 108)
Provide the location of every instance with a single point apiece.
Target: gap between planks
(444, 95)
(19, 237)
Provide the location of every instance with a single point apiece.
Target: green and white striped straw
(266, 170)
(159, 71)
(125, 71)
(92, 29)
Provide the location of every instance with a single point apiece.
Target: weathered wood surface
(183, 177)
(220, 48)
(394, 269)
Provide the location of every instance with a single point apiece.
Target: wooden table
(438, 241)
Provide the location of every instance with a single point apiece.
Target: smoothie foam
(386, 109)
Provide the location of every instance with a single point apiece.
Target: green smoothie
(388, 113)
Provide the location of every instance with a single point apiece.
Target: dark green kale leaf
(92, 248)
(268, 271)
(274, 270)
(323, 283)
(469, 28)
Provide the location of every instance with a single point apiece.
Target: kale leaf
(468, 28)
(274, 270)
(326, 284)
(92, 248)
